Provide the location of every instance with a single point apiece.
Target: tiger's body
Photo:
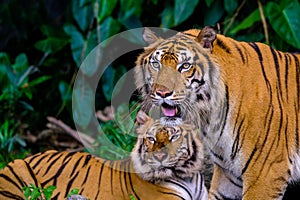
(245, 97)
(135, 178)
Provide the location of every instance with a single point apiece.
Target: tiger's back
(95, 178)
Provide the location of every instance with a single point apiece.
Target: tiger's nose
(164, 93)
(160, 156)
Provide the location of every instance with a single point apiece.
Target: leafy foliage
(43, 44)
(117, 137)
(33, 192)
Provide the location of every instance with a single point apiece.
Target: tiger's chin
(157, 175)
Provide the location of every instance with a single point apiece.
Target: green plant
(73, 192)
(33, 192)
(117, 137)
(8, 142)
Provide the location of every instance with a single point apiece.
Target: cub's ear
(148, 36)
(206, 37)
(142, 117)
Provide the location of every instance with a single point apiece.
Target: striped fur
(100, 179)
(246, 98)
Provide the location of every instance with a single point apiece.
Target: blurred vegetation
(43, 43)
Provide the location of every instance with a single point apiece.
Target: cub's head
(179, 75)
(163, 150)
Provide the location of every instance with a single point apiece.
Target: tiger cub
(164, 164)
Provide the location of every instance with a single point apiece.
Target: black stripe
(33, 176)
(76, 166)
(274, 54)
(298, 98)
(224, 114)
(222, 45)
(16, 176)
(55, 176)
(87, 159)
(70, 183)
(111, 177)
(132, 187)
(173, 194)
(181, 186)
(52, 163)
(8, 179)
(87, 174)
(39, 160)
(99, 179)
(248, 161)
(240, 51)
(120, 178)
(10, 195)
(217, 155)
(287, 60)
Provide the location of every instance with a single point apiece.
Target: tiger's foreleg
(224, 185)
(269, 186)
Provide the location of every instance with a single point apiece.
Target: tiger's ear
(148, 36)
(206, 37)
(142, 117)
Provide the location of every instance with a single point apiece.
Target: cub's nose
(160, 156)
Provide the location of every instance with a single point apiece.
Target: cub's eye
(151, 139)
(174, 137)
(155, 65)
(184, 67)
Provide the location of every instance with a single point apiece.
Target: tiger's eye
(151, 139)
(155, 65)
(186, 65)
(175, 137)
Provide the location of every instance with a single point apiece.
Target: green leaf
(73, 192)
(83, 13)
(51, 44)
(214, 13)
(129, 8)
(285, 21)
(230, 6)
(4, 66)
(51, 31)
(66, 96)
(105, 9)
(77, 43)
(83, 97)
(38, 80)
(109, 27)
(21, 63)
(27, 191)
(183, 10)
(92, 41)
(247, 22)
(209, 2)
(35, 193)
(167, 18)
(48, 191)
(107, 82)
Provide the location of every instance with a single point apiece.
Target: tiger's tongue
(169, 111)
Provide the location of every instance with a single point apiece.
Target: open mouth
(170, 111)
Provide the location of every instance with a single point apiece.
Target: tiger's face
(163, 151)
(176, 74)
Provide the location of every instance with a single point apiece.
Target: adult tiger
(244, 95)
(168, 157)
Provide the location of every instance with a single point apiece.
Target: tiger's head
(163, 151)
(179, 75)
